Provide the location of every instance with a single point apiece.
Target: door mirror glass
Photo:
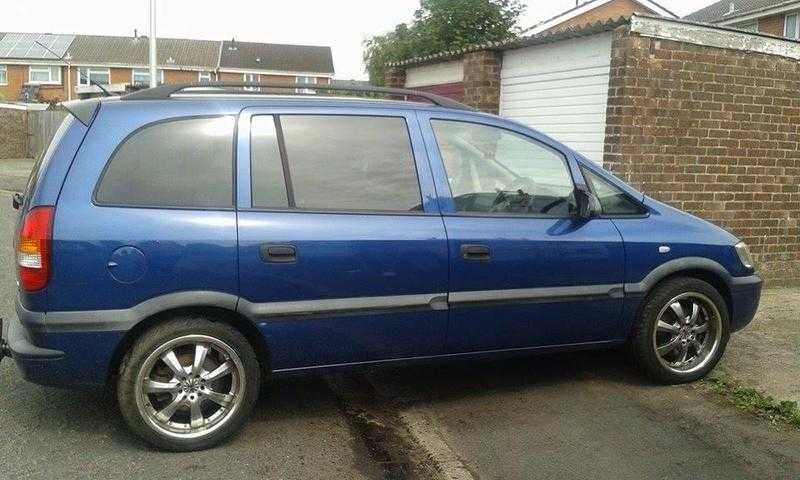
(588, 204)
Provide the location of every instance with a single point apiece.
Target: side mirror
(588, 204)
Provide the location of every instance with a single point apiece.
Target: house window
(44, 74)
(3, 75)
(251, 78)
(790, 29)
(98, 75)
(306, 81)
(205, 77)
(141, 77)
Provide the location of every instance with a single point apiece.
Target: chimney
(135, 33)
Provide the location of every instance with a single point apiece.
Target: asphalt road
(566, 416)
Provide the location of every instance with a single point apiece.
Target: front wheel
(682, 331)
(188, 384)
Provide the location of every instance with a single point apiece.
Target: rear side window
(180, 163)
(334, 163)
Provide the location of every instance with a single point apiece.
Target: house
(588, 12)
(774, 17)
(56, 67)
(699, 116)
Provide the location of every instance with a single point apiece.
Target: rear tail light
(34, 248)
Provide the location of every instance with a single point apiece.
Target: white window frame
(793, 35)
(3, 75)
(88, 71)
(134, 71)
(251, 77)
(41, 68)
(205, 77)
(305, 80)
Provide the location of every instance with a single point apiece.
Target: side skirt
(480, 355)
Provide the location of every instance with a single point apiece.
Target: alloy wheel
(688, 333)
(190, 386)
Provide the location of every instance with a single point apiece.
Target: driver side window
(493, 170)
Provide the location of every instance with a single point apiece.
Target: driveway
(565, 416)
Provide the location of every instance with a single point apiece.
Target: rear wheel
(188, 384)
(682, 331)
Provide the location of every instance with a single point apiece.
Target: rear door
(524, 270)
(342, 252)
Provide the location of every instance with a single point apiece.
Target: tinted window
(182, 163)
(613, 200)
(268, 183)
(350, 163)
(493, 170)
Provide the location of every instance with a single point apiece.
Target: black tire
(642, 343)
(145, 349)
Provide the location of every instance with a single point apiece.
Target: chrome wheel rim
(688, 333)
(190, 386)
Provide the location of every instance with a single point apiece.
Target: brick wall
(482, 80)
(713, 132)
(13, 133)
(772, 25)
(615, 9)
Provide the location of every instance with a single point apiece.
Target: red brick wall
(615, 9)
(772, 25)
(713, 132)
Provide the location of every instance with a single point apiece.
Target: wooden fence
(42, 126)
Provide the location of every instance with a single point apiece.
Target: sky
(340, 24)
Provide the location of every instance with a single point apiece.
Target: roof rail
(164, 92)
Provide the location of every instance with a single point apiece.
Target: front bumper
(745, 298)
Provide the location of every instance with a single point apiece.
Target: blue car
(181, 244)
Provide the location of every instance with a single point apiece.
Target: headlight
(744, 254)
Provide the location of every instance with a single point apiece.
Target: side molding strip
(341, 305)
(546, 294)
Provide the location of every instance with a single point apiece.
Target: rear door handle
(480, 253)
(278, 253)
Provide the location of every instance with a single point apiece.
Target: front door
(524, 270)
(342, 252)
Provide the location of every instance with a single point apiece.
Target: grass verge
(755, 401)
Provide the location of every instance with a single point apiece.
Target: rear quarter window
(185, 163)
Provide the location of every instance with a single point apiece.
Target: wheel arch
(210, 312)
(700, 268)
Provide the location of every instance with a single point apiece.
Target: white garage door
(561, 89)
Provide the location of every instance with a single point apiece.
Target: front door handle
(271, 253)
(479, 253)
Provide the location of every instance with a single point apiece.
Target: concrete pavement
(14, 173)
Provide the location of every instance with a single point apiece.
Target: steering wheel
(523, 187)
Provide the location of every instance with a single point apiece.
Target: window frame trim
(234, 167)
(88, 71)
(567, 156)
(41, 67)
(796, 34)
(159, 74)
(4, 69)
(287, 173)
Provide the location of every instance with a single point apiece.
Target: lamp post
(153, 57)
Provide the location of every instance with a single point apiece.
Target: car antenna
(69, 65)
